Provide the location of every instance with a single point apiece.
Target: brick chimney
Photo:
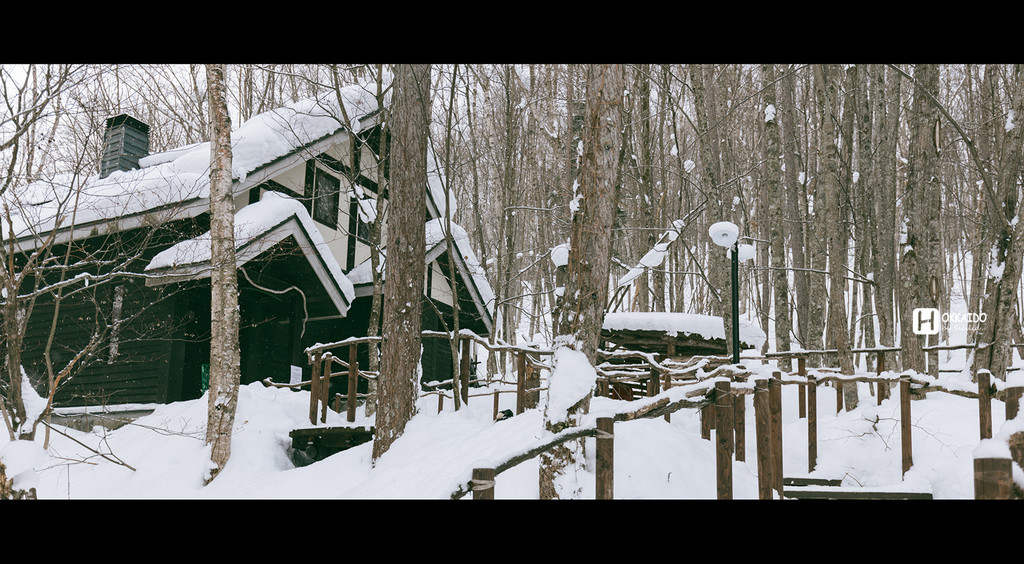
(125, 141)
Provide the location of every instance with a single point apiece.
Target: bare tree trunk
(883, 180)
(710, 153)
(586, 289)
(225, 364)
(986, 141)
(921, 268)
(865, 224)
(776, 201)
(995, 336)
(794, 198)
(829, 183)
(403, 292)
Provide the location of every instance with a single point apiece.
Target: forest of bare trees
(867, 190)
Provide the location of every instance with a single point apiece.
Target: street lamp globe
(724, 233)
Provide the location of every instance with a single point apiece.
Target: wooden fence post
(464, 371)
(532, 390)
(1017, 448)
(605, 457)
(324, 393)
(1013, 396)
(668, 384)
(724, 436)
(906, 429)
(881, 388)
(520, 383)
(483, 483)
(440, 401)
(993, 478)
(839, 394)
(801, 367)
(353, 381)
(775, 406)
(812, 423)
(707, 420)
(739, 412)
(762, 432)
(495, 404)
(985, 403)
(314, 387)
(654, 383)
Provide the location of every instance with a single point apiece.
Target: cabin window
(322, 192)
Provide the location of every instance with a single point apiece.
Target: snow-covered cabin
(306, 185)
(671, 334)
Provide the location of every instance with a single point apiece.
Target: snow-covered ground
(654, 459)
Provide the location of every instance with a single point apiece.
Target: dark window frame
(323, 193)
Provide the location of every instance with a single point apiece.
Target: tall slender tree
(776, 202)
(403, 292)
(1006, 256)
(589, 265)
(921, 265)
(829, 182)
(225, 362)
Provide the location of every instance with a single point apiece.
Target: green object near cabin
(204, 379)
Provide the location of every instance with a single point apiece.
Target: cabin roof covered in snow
(707, 327)
(259, 227)
(175, 183)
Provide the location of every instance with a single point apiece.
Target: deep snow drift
(654, 459)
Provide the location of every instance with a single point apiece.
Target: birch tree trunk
(403, 292)
(225, 363)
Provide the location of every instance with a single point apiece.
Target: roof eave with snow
(189, 260)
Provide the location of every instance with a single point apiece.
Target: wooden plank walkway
(822, 488)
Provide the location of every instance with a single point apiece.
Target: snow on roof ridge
(182, 174)
(251, 222)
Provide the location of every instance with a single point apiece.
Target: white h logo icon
(926, 321)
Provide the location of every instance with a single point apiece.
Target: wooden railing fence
(721, 386)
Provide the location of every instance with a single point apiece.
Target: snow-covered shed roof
(258, 228)
(175, 184)
(708, 327)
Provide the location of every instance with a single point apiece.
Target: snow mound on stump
(572, 378)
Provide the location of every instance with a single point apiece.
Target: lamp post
(726, 234)
(736, 303)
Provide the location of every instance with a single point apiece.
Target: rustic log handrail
(806, 353)
(652, 409)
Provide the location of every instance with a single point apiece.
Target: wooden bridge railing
(323, 361)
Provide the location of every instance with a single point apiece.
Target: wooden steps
(822, 488)
(317, 443)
